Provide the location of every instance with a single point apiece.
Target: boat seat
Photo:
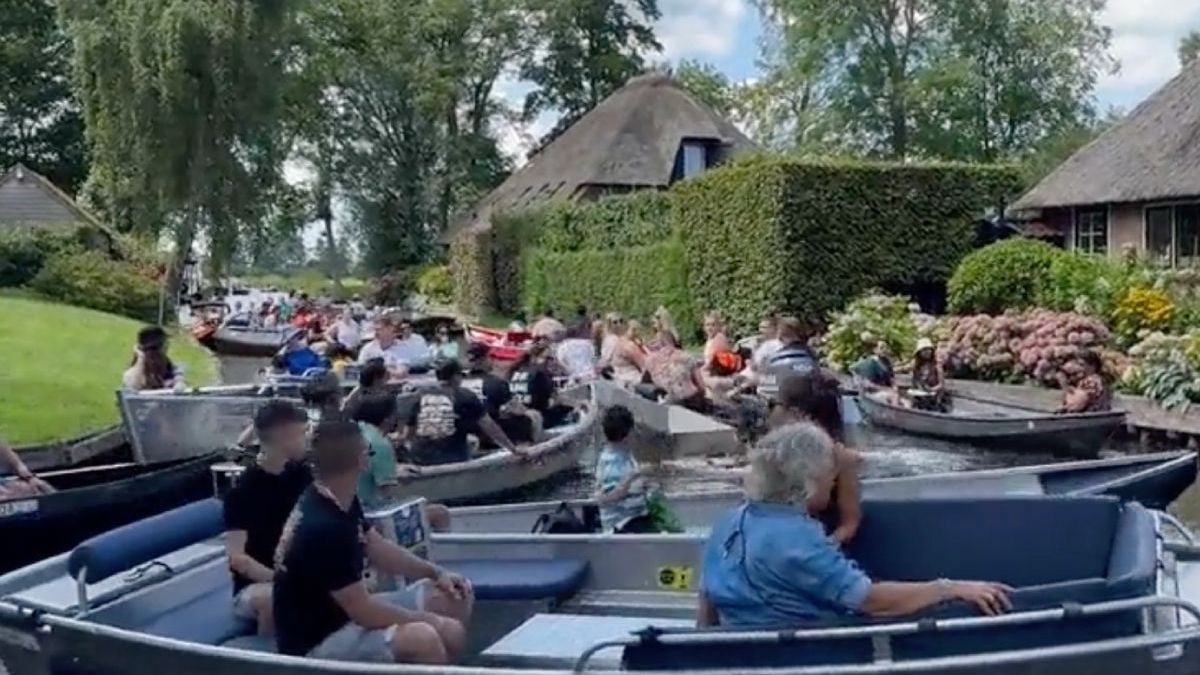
(207, 619)
(125, 548)
(542, 579)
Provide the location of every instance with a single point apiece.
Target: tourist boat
(170, 426)
(1153, 480)
(503, 345)
(94, 499)
(1100, 587)
(230, 340)
(991, 423)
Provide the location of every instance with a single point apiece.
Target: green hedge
(23, 251)
(806, 237)
(634, 280)
(92, 279)
(610, 223)
(471, 272)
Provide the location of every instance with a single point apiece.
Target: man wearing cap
(441, 417)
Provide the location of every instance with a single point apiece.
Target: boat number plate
(678, 577)
(18, 508)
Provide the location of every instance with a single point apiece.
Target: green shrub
(634, 281)
(1083, 282)
(782, 234)
(392, 289)
(1007, 275)
(435, 284)
(24, 251)
(853, 332)
(92, 279)
(471, 271)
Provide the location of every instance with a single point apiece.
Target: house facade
(1135, 187)
(29, 199)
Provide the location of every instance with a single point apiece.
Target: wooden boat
(243, 341)
(985, 422)
(1154, 480)
(1096, 590)
(169, 426)
(92, 500)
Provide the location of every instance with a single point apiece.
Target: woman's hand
(990, 597)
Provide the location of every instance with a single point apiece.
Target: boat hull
(49, 524)
(999, 425)
(233, 342)
(1155, 481)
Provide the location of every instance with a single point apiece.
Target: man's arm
(241, 562)
(9, 460)
(391, 558)
(488, 426)
(370, 613)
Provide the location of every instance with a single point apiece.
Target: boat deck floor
(556, 641)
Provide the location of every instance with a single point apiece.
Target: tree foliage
(40, 122)
(1189, 47)
(182, 102)
(586, 49)
(708, 84)
(976, 80)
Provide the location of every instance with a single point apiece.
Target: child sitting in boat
(620, 490)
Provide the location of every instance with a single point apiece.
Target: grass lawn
(62, 365)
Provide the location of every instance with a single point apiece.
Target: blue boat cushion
(141, 542)
(1133, 564)
(556, 579)
(1027, 541)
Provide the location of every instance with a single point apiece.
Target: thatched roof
(1152, 154)
(630, 140)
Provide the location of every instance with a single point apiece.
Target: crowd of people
(298, 540)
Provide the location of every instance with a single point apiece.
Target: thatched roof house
(1137, 185)
(648, 134)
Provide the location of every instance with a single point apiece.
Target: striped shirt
(612, 468)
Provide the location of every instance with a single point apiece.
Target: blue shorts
(355, 643)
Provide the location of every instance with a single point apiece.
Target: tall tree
(413, 99)
(587, 50)
(1189, 48)
(969, 79)
(40, 122)
(182, 101)
(710, 85)
(1008, 74)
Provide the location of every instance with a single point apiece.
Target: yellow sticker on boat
(678, 577)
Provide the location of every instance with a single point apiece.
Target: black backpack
(564, 521)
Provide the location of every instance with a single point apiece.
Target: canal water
(885, 453)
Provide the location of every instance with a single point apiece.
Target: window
(1160, 234)
(1187, 234)
(1091, 230)
(695, 159)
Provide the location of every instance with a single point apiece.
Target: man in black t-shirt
(517, 422)
(440, 418)
(257, 507)
(533, 385)
(323, 608)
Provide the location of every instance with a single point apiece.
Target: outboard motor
(225, 476)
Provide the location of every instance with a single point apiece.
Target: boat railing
(882, 634)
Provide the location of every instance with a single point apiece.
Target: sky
(725, 33)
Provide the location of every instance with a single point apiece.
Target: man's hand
(406, 471)
(454, 585)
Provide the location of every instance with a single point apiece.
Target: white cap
(924, 343)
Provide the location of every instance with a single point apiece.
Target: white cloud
(1146, 37)
(700, 28)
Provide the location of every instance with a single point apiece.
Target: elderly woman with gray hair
(769, 563)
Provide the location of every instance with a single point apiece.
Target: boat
(171, 426)
(230, 340)
(669, 431)
(1100, 587)
(991, 423)
(503, 345)
(94, 499)
(1153, 480)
